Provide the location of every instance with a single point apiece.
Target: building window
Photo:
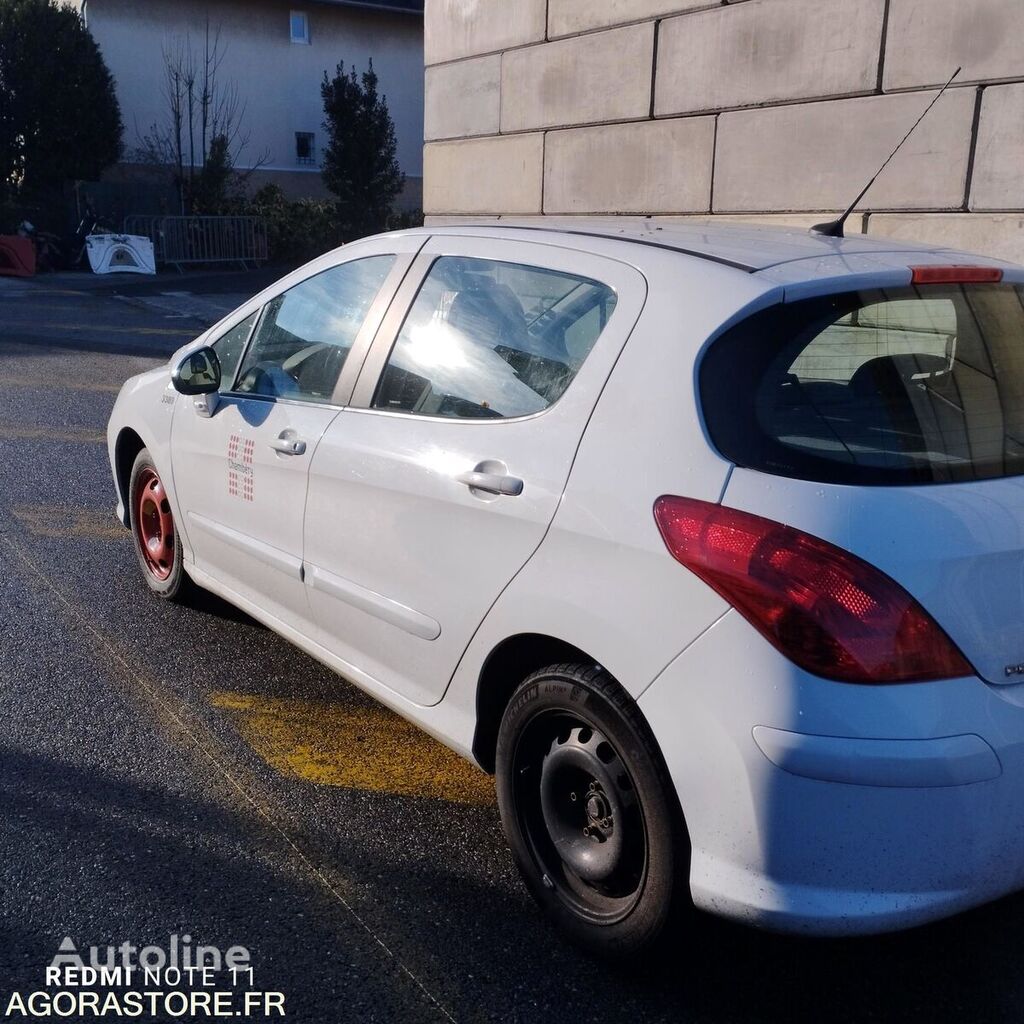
(299, 27)
(305, 148)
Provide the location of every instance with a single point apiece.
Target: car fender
(145, 407)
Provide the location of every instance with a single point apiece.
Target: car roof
(748, 247)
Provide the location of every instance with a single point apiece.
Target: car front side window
(305, 334)
(229, 348)
(487, 339)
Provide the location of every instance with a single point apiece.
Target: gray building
(777, 110)
(275, 55)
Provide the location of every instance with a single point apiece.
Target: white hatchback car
(709, 541)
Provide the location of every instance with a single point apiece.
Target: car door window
(305, 334)
(487, 339)
(229, 348)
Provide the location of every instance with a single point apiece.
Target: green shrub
(297, 229)
(399, 220)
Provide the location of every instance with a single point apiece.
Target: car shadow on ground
(106, 857)
(963, 969)
(206, 603)
(76, 836)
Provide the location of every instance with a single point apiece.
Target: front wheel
(156, 539)
(589, 810)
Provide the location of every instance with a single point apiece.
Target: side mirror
(198, 373)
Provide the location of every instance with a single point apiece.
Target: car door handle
(288, 445)
(492, 483)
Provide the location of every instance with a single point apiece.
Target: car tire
(590, 812)
(154, 533)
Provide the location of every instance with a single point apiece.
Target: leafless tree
(204, 135)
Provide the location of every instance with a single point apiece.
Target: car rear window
(902, 386)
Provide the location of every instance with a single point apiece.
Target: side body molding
(372, 603)
(265, 553)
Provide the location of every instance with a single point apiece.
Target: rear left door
(435, 486)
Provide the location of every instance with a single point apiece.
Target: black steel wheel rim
(580, 814)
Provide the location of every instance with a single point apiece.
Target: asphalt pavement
(181, 771)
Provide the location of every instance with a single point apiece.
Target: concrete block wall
(767, 110)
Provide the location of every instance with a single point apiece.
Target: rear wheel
(589, 810)
(156, 540)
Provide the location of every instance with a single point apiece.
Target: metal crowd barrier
(181, 240)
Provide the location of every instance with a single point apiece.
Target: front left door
(240, 474)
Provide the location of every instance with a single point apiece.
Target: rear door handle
(287, 444)
(492, 483)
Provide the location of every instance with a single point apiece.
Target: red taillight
(955, 275)
(825, 609)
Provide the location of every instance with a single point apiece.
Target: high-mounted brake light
(825, 609)
(955, 275)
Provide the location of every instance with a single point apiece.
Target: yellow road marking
(15, 431)
(367, 748)
(57, 521)
(52, 384)
(105, 328)
(31, 289)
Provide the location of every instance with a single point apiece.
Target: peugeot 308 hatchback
(708, 541)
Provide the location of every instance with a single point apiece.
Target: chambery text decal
(240, 467)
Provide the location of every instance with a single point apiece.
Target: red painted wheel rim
(154, 527)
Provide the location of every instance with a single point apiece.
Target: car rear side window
(486, 339)
(910, 385)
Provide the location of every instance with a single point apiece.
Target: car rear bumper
(832, 808)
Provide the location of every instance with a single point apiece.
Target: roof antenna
(834, 228)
